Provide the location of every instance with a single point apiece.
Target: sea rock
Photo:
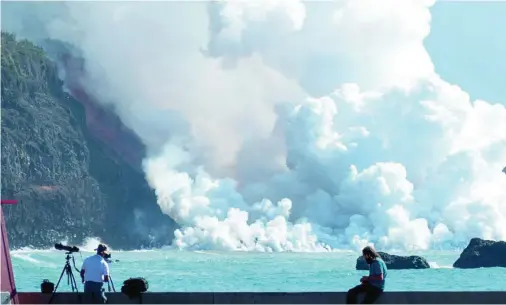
(482, 253)
(396, 262)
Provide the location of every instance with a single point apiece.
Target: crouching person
(94, 272)
(374, 284)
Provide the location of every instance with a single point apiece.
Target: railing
(8, 285)
(489, 297)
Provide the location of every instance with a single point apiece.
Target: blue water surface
(170, 270)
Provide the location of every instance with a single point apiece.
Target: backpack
(46, 286)
(133, 287)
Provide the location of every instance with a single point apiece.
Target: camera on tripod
(67, 270)
(66, 248)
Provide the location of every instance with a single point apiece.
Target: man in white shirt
(94, 272)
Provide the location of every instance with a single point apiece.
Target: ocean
(200, 271)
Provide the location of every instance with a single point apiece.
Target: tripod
(71, 280)
(109, 284)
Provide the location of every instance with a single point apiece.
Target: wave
(88, 245)
(434, 265)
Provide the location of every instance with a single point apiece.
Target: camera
(66, 248)
(107, 255)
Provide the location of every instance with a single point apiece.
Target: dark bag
(46, 287)
(133, 287)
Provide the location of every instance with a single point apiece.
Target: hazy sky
(468, 48)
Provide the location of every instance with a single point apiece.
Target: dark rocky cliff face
(70, 184)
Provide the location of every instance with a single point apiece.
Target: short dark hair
(370, 251)
(101, 248)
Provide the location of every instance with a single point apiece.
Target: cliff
(101, 122)
(70, 184)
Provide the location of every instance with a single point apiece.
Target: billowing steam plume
(283, 125)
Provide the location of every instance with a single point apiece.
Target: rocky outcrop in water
(482, 253)
(396, 262)
(70, 185)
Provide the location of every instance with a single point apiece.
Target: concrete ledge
(488, 297)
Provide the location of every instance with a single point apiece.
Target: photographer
(94, 272)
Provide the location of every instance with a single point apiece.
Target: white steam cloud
(289, 125)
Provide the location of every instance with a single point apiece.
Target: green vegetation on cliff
(70, 186)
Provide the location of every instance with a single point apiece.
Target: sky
(467, 46)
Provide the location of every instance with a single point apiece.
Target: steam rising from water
(284, 125)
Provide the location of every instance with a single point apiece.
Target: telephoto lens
(66, 248)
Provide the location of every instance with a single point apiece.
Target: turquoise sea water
(170, 270)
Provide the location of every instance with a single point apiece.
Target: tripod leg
(57, 284)
(72, 280)
(112, 284)
(77, 290)
(73, 283)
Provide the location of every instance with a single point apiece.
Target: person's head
(102, 250)
(369, 254)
